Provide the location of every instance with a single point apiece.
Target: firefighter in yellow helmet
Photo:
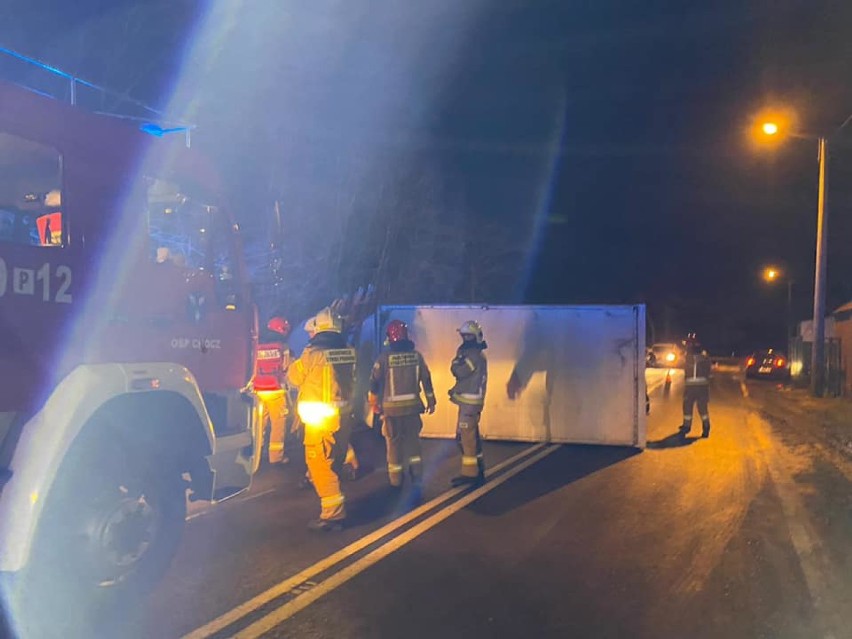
(325, 376)
(395, 383)
(470, 368)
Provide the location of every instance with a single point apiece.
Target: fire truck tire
(109, 532)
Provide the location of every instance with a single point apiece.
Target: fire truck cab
(127, 345)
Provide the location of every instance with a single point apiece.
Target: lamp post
(772, 274)
(771, 128)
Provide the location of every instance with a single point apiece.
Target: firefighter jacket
(325, 372)
(470, 368)
(396, 379)
(697, 369)
(273, 359)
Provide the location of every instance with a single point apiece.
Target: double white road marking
(280, 614)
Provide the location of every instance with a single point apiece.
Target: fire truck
(127, 346)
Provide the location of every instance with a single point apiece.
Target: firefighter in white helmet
(395, 384)
(470, 368)
(351, 466)
(325, 376)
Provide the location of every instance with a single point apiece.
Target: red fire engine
(127, 343)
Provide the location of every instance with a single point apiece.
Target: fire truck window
(30, 193)
(182, 228)
(189, 231)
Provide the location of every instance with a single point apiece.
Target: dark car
(768, 364)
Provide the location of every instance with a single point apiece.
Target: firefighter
(696, 388)
(351, 466)
(273, 359)
(470, 368)
(395, 383)
(325, 376)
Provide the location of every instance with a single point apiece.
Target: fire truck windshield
(187, 230)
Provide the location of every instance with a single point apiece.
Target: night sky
(654, 194)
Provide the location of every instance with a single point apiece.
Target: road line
(287, 585)
(243, 500)
(281, 614)
(744, 389)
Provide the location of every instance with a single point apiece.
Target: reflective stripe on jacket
(397, 377)
(325, 374)
(697, 369)
(470, 368)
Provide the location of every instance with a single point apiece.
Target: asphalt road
(744, 534)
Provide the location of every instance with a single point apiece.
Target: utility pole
(818, 351)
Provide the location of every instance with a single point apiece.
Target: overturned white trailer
(581, 369)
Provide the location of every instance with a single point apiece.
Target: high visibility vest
(273, 358)
(397, 378)
(697, 369)
(325, 375)
(470, 368)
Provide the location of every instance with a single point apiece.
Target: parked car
(665, 356)
(768, 364)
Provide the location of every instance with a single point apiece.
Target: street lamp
(773, 274)
(771, 128)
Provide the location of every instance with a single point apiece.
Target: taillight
(750, 361)
(779, 363)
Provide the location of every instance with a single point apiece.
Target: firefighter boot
(305, 482)
(326, 525)
(705, 428)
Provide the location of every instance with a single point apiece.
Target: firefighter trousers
(275, 405)
(325, 451)
(467, 433)
(698, 394)
(402, 436)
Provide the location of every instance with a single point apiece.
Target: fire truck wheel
(110, 529)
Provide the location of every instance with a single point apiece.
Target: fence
(800, 364)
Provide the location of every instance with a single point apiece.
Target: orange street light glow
(770, 128)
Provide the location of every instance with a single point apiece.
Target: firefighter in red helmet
(270, 383)
(395, 384)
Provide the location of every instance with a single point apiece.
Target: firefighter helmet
(692, 344)
(279, 325)
(397, 331)
(326, 321)
(311, 327)
(471, 328)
